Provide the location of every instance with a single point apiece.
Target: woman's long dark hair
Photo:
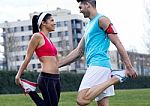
(35, 27)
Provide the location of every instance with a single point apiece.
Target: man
(97, 82)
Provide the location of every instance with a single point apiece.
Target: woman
(48, 80)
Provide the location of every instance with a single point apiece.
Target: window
(33, 57)
(18, 67)
(4, 29)
(60, 44)
(29, 27)
(22, 38)
(67, 43)
(30, 37)
(17, 58)
(17, 38)
(58, 24)
(15, 29)
(24, 48)
(18, 29)
(24, 56)
(26, 28)
(39, 65)
(59, 34)
(50, 35)
(8, 30)
(26, 38)
(78, 25)
(84, 24)
(66, 33)
(33, 66)
(22, 28)
(79, 35)
(65, 23)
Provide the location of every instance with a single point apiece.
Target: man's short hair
(92, 2)
(85, 0)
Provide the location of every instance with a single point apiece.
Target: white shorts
(96, 75)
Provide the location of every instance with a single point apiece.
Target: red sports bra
(48, 49)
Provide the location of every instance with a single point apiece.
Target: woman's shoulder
(37, 35)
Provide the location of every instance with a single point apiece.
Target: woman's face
(50, 24)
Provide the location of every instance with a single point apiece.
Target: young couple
(98, 80)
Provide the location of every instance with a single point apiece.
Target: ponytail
(35, 27)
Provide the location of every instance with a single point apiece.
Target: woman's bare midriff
(49, 64)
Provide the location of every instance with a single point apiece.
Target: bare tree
(9, 45)
(147, 24)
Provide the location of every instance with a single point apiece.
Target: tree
(9, 44)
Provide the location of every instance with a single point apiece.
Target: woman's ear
(43, 23)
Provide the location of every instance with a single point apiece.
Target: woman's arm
(31, 47)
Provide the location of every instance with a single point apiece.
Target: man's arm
(74, 55)
(106, 25)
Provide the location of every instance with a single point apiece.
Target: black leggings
(49, 85)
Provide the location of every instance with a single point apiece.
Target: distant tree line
(69, 82)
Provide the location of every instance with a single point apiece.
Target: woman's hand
(17, 79)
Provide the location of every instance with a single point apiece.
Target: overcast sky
(126, 15)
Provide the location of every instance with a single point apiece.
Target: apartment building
(141, 62)
(68, 32)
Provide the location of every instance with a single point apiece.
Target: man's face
(83, 6)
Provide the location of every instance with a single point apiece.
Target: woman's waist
(50, 69)
(49, 63)
(49, 75)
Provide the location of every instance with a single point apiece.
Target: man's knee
(82, 102)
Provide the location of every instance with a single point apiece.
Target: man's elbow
(80, 52)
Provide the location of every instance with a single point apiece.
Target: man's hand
(130, 72)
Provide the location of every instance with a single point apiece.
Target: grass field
(136, 97)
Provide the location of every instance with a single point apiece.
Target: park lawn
(134, 97)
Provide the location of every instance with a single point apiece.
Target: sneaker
(28, 86)
(120, 74)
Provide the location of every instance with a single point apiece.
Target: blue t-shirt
(96, 44)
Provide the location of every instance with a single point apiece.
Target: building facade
(68, 32)
(141, 62)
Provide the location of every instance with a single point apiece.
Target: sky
(126, 15)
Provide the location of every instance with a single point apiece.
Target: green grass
(136, 97)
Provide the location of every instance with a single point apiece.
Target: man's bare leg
(103, 102)
(87, 95)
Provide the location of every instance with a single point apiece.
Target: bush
(139, 82)
(69, 82)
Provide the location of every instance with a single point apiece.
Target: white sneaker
(28, 86)
(120, 74)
